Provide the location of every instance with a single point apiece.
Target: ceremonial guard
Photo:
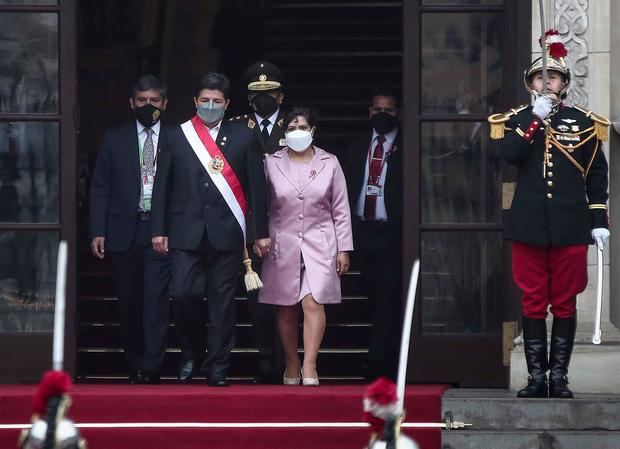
(558, 209)
(264, 86)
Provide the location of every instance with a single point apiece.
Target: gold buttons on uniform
(550, 174)
(550, 183)
(550, 164)
(549, 195)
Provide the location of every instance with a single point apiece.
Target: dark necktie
(147, 165)
(374, 177)
(265, 132)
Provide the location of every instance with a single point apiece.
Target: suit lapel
(284, 165)
(277, 133)
(316, 166)
(223, 137)
(134, 149)
(258, 136)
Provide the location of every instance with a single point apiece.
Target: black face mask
(147, 115)
(383, 122)
(265, 105)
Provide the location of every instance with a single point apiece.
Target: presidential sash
(218, 168)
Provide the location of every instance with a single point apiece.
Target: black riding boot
(562, 342)
(535, 343)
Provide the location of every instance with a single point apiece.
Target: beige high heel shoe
(309, 381)
(290, 380)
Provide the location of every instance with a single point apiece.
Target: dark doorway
(458, 61)
(332, 55)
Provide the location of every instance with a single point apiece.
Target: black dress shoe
(186, 371)
(218, 381)
(135, 377)
(267, 379)
(150, 378)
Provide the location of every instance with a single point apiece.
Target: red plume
(382, 391)
(53, 383)
(379, 402)
(557, 50)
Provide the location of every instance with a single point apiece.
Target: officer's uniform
(264, 77)
(276, 137)
(560, 198)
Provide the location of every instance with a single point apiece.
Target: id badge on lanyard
(374, 190)
(147, 190)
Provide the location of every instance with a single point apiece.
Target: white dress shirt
(272, 120)
(381, 213)
(213, 132)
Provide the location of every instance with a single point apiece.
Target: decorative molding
(571, 20)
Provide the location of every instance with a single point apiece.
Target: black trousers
(380, 257)
(213, 274)
(265, 332)
(141, 276)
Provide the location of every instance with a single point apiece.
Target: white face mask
(298, 140)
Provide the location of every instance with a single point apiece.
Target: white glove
(542, 106)
(600, 237)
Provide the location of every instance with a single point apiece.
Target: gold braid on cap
(263, 84)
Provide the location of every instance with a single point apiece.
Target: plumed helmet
(556, 54)
(50, 428)
(380, 411)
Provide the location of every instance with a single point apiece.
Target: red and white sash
(226, 180)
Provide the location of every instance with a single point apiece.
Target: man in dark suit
(209, 200)
(375, 182)
(264, 86)
(120, 205)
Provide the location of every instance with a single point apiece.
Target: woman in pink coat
(310, 231)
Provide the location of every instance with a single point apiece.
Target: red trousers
(552, 275)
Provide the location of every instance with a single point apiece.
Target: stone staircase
(501, 421)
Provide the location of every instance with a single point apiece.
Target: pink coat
(313, 220)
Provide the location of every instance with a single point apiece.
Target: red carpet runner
(236, 407)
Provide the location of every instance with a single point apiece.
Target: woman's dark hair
(310, 116)
(213, 81)
(148, 82)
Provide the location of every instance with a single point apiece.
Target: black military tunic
(561, 191)
(276, 138)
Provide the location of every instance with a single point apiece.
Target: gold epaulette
(601, 124)
(497, 121)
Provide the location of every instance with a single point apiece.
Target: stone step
(470, 439)
(490, 409)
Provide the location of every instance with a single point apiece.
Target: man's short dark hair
(297, 111)
(213, 81)
(149, 82)
(385, 91)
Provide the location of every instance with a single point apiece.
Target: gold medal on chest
(216, 165)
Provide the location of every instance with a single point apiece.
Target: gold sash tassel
(251, 278)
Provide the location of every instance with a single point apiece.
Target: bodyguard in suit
(209, 200)
(264, 86)
(375, 181)
(120, 226)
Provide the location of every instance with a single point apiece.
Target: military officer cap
(263, 76)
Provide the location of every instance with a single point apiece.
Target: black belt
(374, 226)
(144, 216)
